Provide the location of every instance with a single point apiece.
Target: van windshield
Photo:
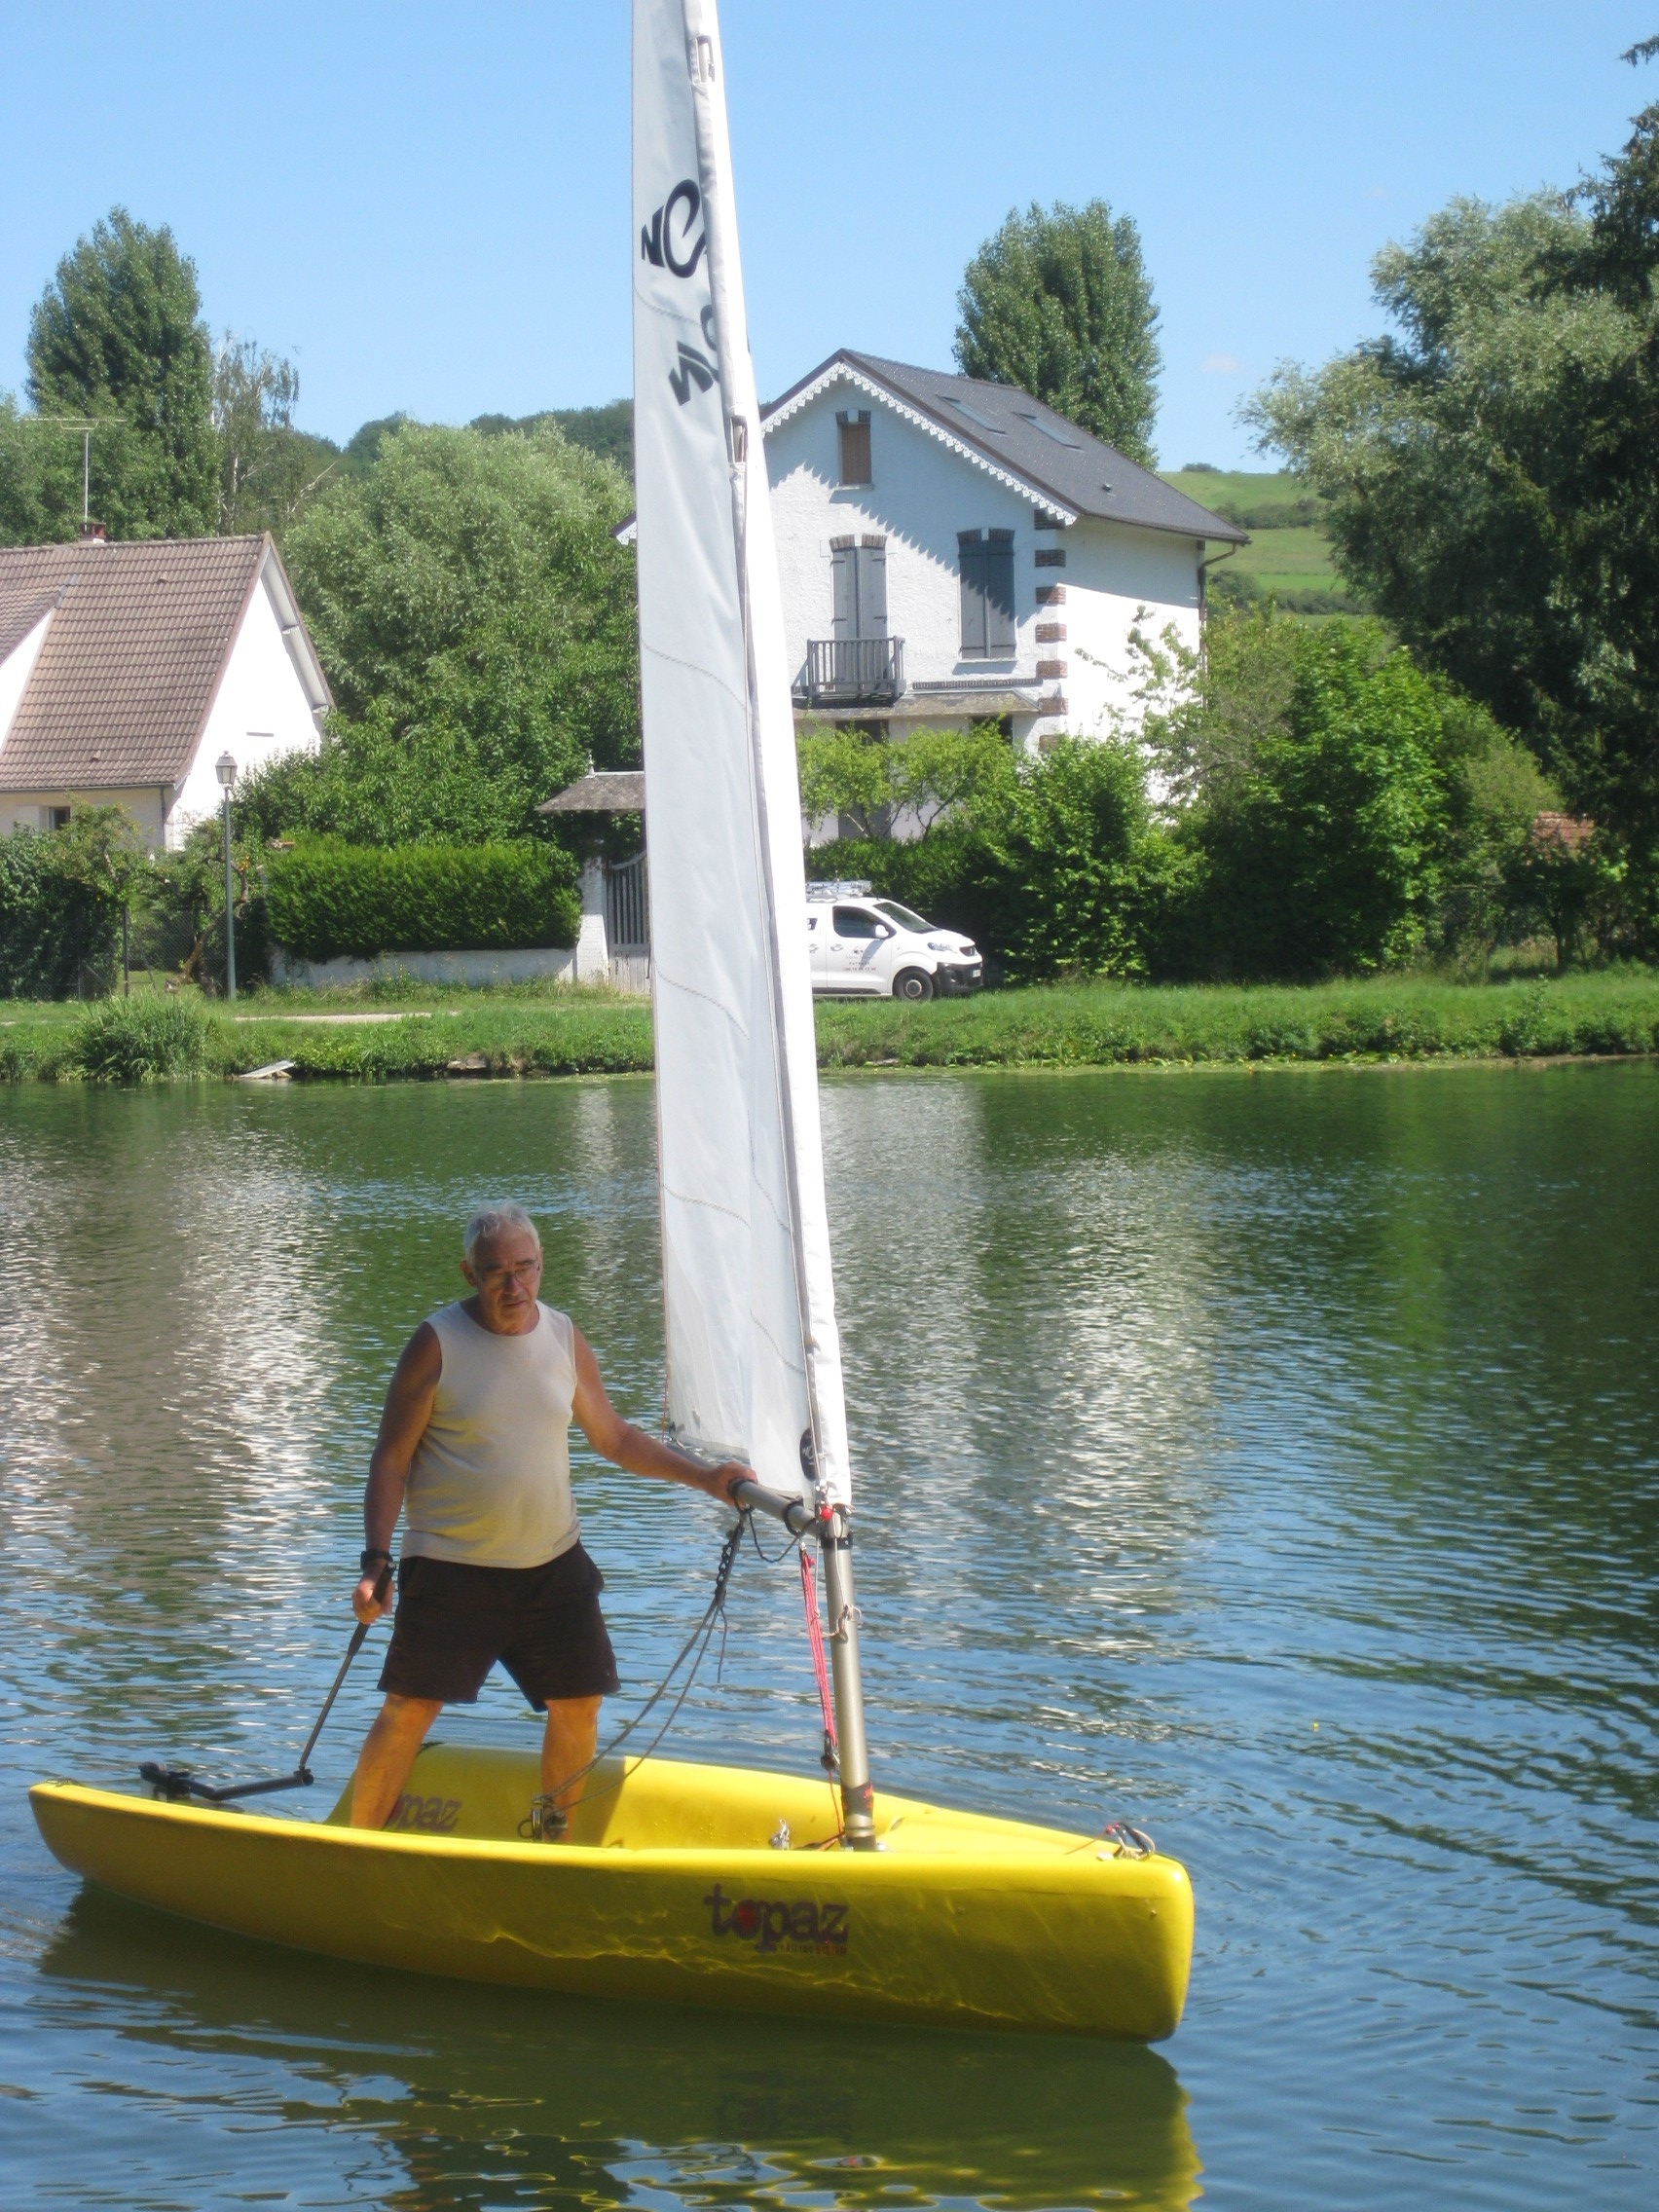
(902, 916)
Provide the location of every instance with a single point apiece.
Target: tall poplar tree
(117, 338)
(1060, 303)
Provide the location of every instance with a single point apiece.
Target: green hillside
(1289, 555)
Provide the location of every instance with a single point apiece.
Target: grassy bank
(463, 1035)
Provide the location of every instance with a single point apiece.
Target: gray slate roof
(131, 664)
(621, 790)
(1041, 448)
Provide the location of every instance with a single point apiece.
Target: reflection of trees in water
(469, 2097)
(1030, 1349)
(166, 1366)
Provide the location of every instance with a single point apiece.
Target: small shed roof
(138, 640)
(613, 792)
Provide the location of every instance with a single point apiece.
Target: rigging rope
(831, 1758)
(696, 1647)
(701, 1636)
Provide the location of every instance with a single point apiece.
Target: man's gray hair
(497, 1221)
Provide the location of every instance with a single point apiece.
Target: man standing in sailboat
(474, 1450)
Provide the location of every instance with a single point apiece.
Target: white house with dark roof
(952, 551)
(125, 670)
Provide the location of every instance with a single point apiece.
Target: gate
(627, 911)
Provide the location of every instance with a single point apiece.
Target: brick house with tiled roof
(125, 670)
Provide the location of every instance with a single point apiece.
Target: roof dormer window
(853, 434)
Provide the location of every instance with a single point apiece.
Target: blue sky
(428, 207)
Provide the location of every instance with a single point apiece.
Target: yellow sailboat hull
(670, 1889)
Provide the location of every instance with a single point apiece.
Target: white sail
(753, 1358)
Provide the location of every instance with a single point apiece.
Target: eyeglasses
(504, 1275)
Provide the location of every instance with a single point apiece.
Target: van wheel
(912, 985)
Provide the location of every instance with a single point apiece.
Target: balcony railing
(854, 672)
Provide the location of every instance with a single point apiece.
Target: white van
(874, 948)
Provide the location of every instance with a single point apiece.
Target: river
(1269, 1459)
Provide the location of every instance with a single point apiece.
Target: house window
(985, 559)
(55, 817)
(854, 430)
(859, 575)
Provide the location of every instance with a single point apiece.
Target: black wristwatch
(366, 1560)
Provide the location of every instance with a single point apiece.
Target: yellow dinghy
(673, 1888)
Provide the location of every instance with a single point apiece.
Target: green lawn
(1288, 555)
(465, 1035)
(1238, 491)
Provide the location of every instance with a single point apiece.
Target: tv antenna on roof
(86, 424)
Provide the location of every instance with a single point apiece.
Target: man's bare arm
(626, 1446)
(403, 1420)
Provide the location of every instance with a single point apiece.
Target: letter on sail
(753, 1359)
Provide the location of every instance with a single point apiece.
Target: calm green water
(1297, 1436)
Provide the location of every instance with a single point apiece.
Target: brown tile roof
(132, 658)
(20, 610)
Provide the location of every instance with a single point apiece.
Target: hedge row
(58, 933)
(324, 898)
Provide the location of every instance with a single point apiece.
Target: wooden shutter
(971, 561)
(845, 575)
(854, 435)
(1001, 633)
(872, 589)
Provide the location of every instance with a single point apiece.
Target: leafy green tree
(268, 470)
(1060, 303)
(1049, 861)
(35, 507)
(1309, 770)
(117, 338)
(475, 617)
(1059, 878)
(846, 774)
(607, 430)
(865, 780)
(1492, 467)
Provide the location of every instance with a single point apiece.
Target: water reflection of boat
(606, 2104)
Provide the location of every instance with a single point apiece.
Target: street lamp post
(225, 768)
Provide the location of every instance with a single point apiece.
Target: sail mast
(753, 1348)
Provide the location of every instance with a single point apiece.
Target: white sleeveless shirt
(490, 1483)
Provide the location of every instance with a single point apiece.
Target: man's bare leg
(387, 1755)
(567, 1746)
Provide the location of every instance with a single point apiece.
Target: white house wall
(33, 810)
(921, 493)
(260, 713)
(1111, 575)
(16, 670)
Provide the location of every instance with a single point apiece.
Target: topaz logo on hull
(772, 1924)
(430, 1815)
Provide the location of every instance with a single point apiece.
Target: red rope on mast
(820, 1666)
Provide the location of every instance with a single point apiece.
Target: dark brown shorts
(542, 1623)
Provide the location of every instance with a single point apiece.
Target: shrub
(324, 898)
(59, 923)
(141, 1040)
(1052, 870)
